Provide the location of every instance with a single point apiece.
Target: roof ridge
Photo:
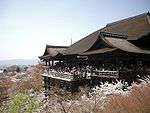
(53, 46)
(129, 18)
(114, 35)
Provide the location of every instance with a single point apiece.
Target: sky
(27, 26)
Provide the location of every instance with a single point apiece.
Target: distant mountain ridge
(11, 62)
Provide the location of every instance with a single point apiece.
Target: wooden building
(121, 50)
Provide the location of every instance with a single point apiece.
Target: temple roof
(133, 27)
(98, 51)
(124, 45)
(52, 51)
(128, 29)
(83, 44)
(116, 44)
(115, 36)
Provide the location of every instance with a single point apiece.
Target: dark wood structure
(120, 50)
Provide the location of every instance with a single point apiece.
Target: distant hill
(6, 63)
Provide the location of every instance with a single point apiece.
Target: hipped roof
(133, 27)
(98, 51)
(83, 44)
(116, 44)
(52, 51)
(124, 45)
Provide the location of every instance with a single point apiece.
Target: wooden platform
(64, 81)
(72, 82)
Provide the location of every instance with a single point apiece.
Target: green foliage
(22, 103)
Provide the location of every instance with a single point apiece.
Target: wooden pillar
(52, 63)
(46, 62)
(63, 65)
(49, 62)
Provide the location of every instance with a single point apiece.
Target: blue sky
(26, 26)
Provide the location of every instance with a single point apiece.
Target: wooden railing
(131, 73)
(107, 74)
(61, 75)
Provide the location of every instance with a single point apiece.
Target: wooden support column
(60, 65)
(116, 65)
(63, 65)
(52, 63)
(46, 62)
(49, 62)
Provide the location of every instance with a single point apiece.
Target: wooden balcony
(65, 76)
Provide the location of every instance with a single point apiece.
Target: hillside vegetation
(23, 93)
(137, 101)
